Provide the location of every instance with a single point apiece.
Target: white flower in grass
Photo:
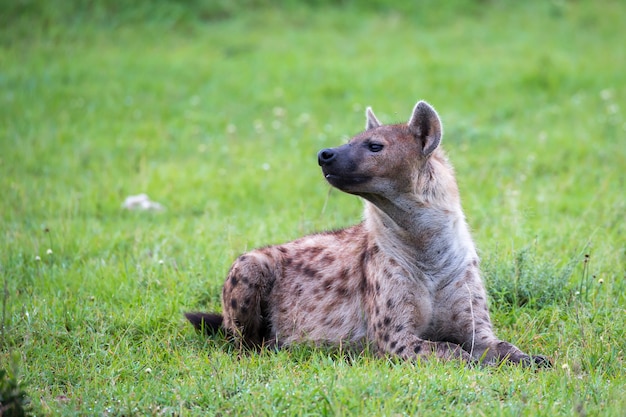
(303, 118)
(161, 262)
(612, 108)
(49, 252)
(141, 202)
(38, 258)
(606, 94)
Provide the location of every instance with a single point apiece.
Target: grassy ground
(218, 113)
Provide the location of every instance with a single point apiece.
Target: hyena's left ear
(371, 120)
(426, 126)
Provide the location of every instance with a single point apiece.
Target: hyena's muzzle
(341, 167)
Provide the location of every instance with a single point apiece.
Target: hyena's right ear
(426, 126)
(371, 120)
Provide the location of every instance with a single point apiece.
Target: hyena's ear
(425, 124)
(371, 120)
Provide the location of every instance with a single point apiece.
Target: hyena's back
(310, 289)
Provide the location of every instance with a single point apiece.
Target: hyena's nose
(326, 156)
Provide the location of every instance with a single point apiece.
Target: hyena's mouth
(343, 182)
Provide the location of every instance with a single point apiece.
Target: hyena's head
(386, 161)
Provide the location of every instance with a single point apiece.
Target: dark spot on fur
(234, 281)
(387, 320)
(377, 288)
(243, 258)
(364, 258)
(315, 251)
(400, 349)
(393, 344)
(343, 292)
(233, 304)
(245, 280)
(389, 303)
(338, 321)
(309, 272)
(299, 290)
(327, 259)
(328, 308)
(417, 349)
(376, 311)
(247, 301)
(455, 317)
(287, 261)
(399, 328)
(386, 337)
(362, 286)
(388, 272)
(345, 274)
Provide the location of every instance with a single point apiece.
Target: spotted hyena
(405, 281)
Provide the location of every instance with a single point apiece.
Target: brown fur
(405, 281)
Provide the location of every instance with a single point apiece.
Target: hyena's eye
(374, 147)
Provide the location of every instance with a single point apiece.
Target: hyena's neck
(436, 240)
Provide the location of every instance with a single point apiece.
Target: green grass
(217, 111)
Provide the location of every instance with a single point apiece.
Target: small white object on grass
(141, 202)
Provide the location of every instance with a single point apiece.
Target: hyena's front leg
(464, 317)
(398, 317)
(244, 298)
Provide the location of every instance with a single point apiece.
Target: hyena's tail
(210, 323)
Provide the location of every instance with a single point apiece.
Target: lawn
(217, 110)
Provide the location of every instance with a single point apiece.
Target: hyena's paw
(505, 351)
(539, 361)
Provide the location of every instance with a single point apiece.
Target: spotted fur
(406, 281)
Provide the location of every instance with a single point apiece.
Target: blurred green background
(216, 109)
